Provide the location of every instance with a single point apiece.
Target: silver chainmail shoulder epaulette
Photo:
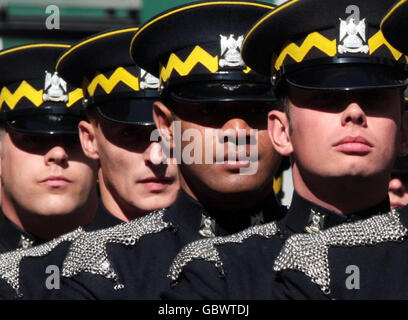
(308, 253)
(205, 248)
(10, 261)
(88, 252)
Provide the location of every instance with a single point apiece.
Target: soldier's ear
(278, 129)
(403, 147)
(88, 140)
(163, 118)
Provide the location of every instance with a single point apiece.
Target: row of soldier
(89, 133)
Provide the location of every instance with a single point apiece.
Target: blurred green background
(153, 7)
(24, 21)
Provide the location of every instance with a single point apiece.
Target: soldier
(215, 91)
(363, 260)
(336, 270)
(341, 86)
(119, 96)
(48, 185)
(133, 180)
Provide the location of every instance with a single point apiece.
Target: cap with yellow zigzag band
(197, 55)
(25, 90)
(108, 84)
(329, 47)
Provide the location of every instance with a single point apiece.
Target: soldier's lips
(56, 181)
(353, 145)
(237, 164)
(156, 184)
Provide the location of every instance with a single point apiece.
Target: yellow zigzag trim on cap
(329, 47)
(298, 53)
(198, 55)
(378, 40)
(120, 75)
(23, 90)
(74, 96)
(35, 96)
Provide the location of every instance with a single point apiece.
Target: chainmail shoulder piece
(308, 253)
(10, 261)
(88, 252)
(205, 248)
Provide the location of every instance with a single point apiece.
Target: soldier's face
(345, 134)
(45, 175)
(224, 135)
(134, 177)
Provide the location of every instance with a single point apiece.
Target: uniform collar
(305, 216)
(193, 216)
(13, 238)
(403, 215)
(102, 219)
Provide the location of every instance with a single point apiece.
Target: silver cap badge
(55, 88)
(352, 36)
(148, 81)
(231, 51)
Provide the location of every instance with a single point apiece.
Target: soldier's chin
(237, 185)
(54, 207)
(152, 203)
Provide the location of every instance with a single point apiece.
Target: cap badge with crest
(353, 35)
(55, 88)
(148, 81)
(231, 51)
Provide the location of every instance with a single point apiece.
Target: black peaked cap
(33, 97)
(102, 66)
(314, 37)
(194, 49)
(395, 25)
